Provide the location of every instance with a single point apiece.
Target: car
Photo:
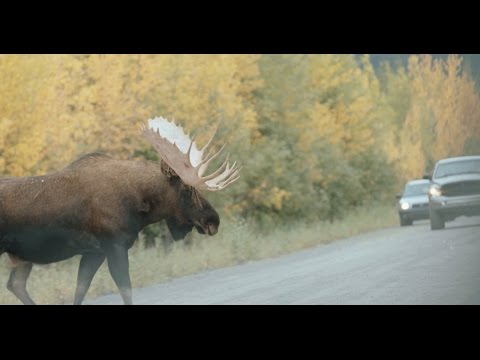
(454, 190)
(413, 202)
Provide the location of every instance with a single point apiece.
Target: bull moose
(96, 206)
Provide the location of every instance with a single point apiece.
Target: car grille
(419, 205)
(462, 188)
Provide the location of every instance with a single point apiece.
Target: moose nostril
(212, 229)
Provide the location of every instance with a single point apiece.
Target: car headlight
(435, 190)
(404, 205)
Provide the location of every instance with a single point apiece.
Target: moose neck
(159, 194)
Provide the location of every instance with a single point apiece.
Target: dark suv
(454, 190)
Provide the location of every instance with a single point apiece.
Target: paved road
(409, 265)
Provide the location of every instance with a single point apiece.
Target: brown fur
(95, 207)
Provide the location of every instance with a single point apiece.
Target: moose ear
(167, 170)
(178, 231)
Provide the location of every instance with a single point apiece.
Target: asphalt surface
(400, 265)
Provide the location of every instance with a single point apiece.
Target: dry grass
(235, 243)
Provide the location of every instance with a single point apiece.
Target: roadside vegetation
(235, 243)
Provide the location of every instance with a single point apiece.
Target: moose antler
(180, 152)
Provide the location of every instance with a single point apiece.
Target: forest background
(318, 135)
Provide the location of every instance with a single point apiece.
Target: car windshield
(417, 189)
(458, 167)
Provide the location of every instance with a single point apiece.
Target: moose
(96, 207)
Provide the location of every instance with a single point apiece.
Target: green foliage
(318, 135)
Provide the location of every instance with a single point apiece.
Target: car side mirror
(399, 195)
(427, 177)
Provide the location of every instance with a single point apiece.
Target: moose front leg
(117, 257)
(89, 265)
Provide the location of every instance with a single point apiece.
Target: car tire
(436, 221)
(404, 221)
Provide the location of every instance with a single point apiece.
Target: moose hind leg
(89, 265)
(17, 282)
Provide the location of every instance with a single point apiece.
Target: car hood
(456, 178)
(417, 199)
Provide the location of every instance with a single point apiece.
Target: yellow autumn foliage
(301, 124)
